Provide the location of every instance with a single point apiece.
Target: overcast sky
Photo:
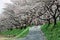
(2, 4)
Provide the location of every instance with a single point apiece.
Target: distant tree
(44, 15)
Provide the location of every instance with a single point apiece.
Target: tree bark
(49, 22)
(55, 21)
(54, 18)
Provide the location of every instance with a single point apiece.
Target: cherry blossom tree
(54, 10)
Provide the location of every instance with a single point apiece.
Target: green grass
(50, 32)
(24, 33)
(16, 32)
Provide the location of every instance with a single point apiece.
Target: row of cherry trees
(53, 11)
(19, 16)
(50, 11)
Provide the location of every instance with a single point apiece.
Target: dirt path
(5, 38)
(35, 34)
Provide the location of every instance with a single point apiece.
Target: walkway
(34, 34)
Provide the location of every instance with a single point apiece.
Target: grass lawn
(50, 32)
(23, 33)
(16, 32)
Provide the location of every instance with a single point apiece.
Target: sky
(2, 4)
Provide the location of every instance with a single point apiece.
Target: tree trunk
(54, 21)
(54, 18)
(54, 26)
(48, 22)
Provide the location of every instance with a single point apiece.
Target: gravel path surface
(34, 34)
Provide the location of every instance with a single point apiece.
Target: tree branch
(49, 9)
